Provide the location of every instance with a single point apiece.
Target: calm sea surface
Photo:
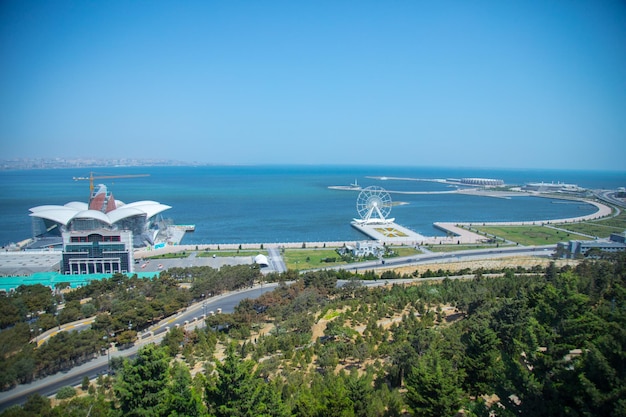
(245, 204)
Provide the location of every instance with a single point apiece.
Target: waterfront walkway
(456, 235)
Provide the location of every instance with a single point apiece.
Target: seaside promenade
(456, 234)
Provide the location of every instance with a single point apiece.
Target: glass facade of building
(94, 252)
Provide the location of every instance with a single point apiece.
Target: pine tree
(432, 387)
(238, 392)
(182, 399)
(141, 387)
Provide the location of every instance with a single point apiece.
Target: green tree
(173, 340)
(482, 361)
(237, 392)
(65, 393)
(37, 405)
(432, 387)
(141, 387)
(336, 397)
(9, 313)
(85, 383)
(182, 398)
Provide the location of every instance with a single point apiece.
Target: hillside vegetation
(547, 341)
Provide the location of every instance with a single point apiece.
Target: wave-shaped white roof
(78, 210)
(124, 213)
(79, 205)
(93, 214)
(58, 214)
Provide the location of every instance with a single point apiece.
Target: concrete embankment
(456, 234)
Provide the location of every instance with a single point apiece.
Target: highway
(609, 197)
(193, 316)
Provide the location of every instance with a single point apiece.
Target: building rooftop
(28, 262)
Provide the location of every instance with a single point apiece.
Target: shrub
(65, 393)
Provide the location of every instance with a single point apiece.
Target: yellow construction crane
(92, 177)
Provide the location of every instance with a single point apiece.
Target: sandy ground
(512, 262)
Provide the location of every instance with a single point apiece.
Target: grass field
(530, 235)
(405, 250)
(599, 228)
(302, 259)
(310, 258)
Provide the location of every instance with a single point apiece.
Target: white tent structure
(261, 260)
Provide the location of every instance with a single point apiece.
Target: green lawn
(530, 235)
(405, 250)
(541, 235)
(302, 259)
(599, 228)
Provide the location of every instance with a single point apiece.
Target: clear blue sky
(530, 84)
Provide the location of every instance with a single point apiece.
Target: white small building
(261, 260)
(363, 249)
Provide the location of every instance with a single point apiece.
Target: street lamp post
(106, 338)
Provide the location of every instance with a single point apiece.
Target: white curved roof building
(102, 212)
(69, 212)
(490, 182)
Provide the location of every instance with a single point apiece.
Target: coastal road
(609, 196)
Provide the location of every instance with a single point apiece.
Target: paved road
(276, 260)
(609, 197)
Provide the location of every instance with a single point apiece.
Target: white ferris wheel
(374, 206)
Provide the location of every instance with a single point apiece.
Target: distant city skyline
(467, 84)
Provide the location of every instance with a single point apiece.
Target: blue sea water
(252, 204)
